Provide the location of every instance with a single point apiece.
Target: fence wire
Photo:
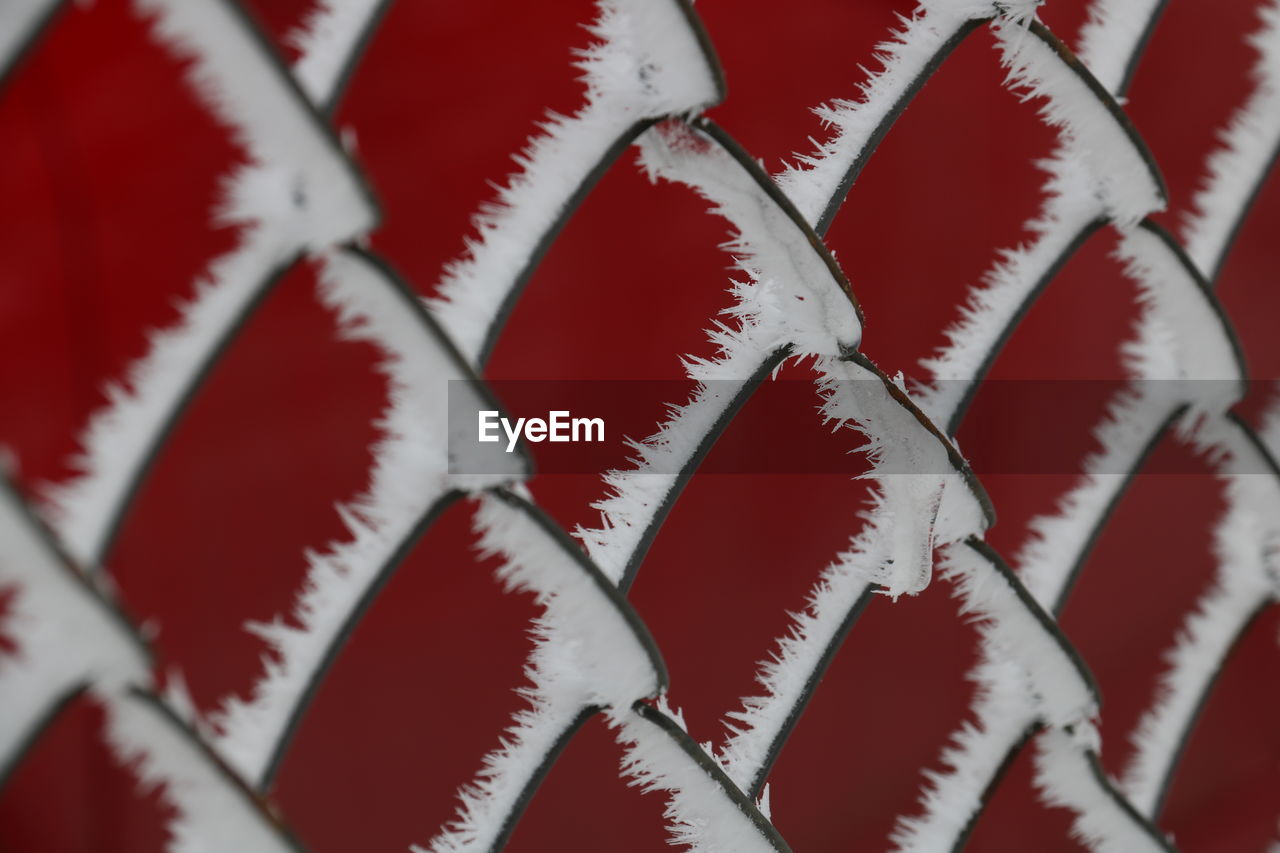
(304, 196)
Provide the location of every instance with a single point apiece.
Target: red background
(109, 168)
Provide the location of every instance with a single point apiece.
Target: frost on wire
(648, 74)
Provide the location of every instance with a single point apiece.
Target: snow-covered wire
(1114, 37)
(1249, 145)
(1093, 129)
(410, 485)
(71, 637)
(374, 305)
(604, 641)
(1187, 367)
(1245, 538)
(651, 59)
(329, 43)
(21, 24)
(1204, 643)
(299, 192)
(1182, 336)
(790, 291)
(793, 301)
(705, 811)
(212, 809)
(591, 653)
(925, 497)
(1044, 72)
(64, 636)
(819, 181)
(1100, 172)
(1028, 673)
(1069, 775)
(772, 238)
(638, 502)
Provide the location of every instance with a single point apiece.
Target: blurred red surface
(110, 167)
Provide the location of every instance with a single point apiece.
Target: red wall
(108, 170)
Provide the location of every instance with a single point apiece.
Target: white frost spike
(800, 296)
(214, 813)
(64, 634)
(1249, 144)
(601, 648)
(700, 813)
(647, 63)
(1117, 162)
(410, 475)
(177, 698)
(1067, 777)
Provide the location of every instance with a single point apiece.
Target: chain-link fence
(650, 73)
